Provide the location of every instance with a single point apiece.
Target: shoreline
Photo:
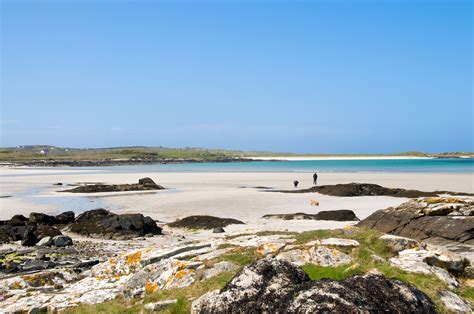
(222, 194)
(238, 159)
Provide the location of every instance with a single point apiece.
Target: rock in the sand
(218, 230)
(42, 219)
(46, 241)
(103, 223)
(362, 189)
(158, 306)
(147, 182)
(203, 222)
(295, 216)
(66, 218)
(271, 285)
(62, 241)
(335, 215)
(397, 243)
(410, 220)
(454, 303)
(144, 184)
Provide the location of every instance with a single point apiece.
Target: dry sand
(224, 194)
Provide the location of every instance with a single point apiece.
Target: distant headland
(51, 156)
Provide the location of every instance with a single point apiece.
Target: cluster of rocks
(274, 283)
(43, 229)
(367, 189)
(334, 215)
(419, 257)
(448, 218)
(101, 223)
(38, 226)
(49, 248)
(276, 286)
(144, 184)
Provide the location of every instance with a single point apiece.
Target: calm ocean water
(395, 165)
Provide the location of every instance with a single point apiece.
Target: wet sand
(224, 194)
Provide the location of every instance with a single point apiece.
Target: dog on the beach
(314, 203)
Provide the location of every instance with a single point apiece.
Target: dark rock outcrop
(144, 184)
(422, 220)
(203, 222)
(42, 219)
(29, 238)
(94, 215)
(335, 215)
(103, 223)
(275, 286)
(42, 231)
(18, 220)
(367, 189)
(66, 218)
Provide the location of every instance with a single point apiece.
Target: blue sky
(300, 76)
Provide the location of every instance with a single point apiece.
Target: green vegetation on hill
(116, 154)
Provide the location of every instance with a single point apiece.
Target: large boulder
(103, 223)
(42, 219)
(147, 182)
(337, 215)
(29, 238)
(95, 215)
(18, 220)
(42, 231)
(413, 219)
(66, 218)
(62, 241)
(275, 286)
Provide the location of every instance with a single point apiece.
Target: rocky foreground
(157, 267)
(441, 218)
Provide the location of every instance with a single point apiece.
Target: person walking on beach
(315, 178)
(295, 183)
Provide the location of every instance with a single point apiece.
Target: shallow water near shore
(448, 165)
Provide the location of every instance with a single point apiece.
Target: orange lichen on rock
(151, 287)
(181, 273)
(16, 285)
(134, 258)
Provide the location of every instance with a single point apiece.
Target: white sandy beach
(223, 194)
(300, 158)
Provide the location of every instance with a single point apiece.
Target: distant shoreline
(302, 158)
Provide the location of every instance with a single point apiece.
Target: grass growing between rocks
(240, 256)
(183, 296)
(371, 256)
(316, 272)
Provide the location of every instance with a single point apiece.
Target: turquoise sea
(451, 165)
